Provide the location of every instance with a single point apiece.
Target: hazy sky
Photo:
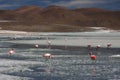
(104, 4)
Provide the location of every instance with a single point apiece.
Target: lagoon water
(70, 56)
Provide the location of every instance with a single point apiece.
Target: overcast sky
(104, 4)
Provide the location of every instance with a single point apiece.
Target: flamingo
(11, 52)
(93, 57)
(47, 55)
(65, 42)
(89, 46)
(109, 45)
(48, 42)
(36, 46)
(98, 46)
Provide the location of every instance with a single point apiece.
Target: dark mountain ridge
(52, 15)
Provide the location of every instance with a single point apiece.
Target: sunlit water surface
(70, 56)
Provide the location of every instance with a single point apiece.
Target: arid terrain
(58, 19)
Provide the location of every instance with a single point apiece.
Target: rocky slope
(57, 18)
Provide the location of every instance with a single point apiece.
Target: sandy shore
(12, 32)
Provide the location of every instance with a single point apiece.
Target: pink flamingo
(48, 42)
(89, 46)
(109, 45)
(93, 57)
(65, 42)
(98, 47)
(47, 55)
(11, 52)
(36, 46)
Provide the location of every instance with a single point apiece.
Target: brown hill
(28, 9)
(91, 10)
(57, 18)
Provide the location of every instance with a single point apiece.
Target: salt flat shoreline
(12, 32)
(99, 37)
(95, 29)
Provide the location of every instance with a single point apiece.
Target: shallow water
(70, 57)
